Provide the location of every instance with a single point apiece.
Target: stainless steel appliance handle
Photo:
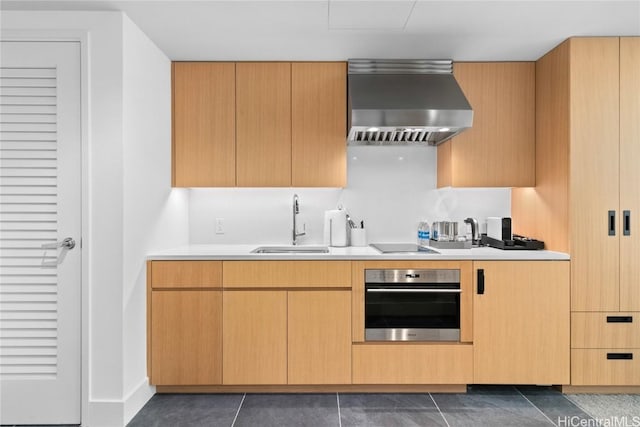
(440, 291)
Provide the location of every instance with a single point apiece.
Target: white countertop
(243, 252)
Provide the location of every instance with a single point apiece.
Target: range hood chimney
(403, 102)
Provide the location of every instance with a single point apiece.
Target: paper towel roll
(335, 227)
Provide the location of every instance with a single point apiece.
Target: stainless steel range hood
(402, 102)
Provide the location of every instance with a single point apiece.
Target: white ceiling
(342, 29)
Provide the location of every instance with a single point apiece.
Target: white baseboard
(137, 398)
(114, 413)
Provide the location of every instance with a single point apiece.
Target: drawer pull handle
(620, 356)
(619, 319)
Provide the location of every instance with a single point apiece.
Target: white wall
(155, 216)
(390, 188)
(126, 196)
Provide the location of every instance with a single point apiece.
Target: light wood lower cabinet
(393, 363)
(319, 337)
(254, 337)
(521, 322)
(186, 337)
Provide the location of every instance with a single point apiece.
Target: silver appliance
(412, 305)
(402, 102)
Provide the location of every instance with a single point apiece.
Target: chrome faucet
(296, 211)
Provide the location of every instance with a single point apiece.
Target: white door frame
(82, 37)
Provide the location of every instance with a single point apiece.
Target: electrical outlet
(219, 225)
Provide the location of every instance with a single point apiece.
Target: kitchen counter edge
(243, 252)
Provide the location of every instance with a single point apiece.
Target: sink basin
(291, 250)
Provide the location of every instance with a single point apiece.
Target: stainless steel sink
(291, 250)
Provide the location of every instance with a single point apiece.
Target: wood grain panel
(591, 330)
(254, 337)
(521, 323)
(319, 134)
(569, 389)
(594, 176)
(629, 170)
(499, 149)
(204, 126)
(357, 295)
(319, 337)
(412, 363)
(524, 204)
(444, 165)
(287, 274)
(186, 337)
(263, 117)
(543, 211)
(186, 274)
(591, 367)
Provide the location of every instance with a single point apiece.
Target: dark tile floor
(480, 406)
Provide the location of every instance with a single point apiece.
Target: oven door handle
(440, 291)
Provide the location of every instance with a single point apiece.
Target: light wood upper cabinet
(259, 124)
(263, 131)
(499, 149)
(186, 337)
(204, 124)
(255, 337)
(521, 323)
(630, 172)
(319, 115)
(319, 337)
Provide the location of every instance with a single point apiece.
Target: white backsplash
(390, 188)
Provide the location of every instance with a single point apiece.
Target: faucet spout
(296, 211)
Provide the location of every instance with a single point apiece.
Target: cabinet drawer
(287, 274)
(605, 367)
(186, 274)
(412, 364)
(605, 330)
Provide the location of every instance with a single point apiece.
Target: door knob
(67, 243)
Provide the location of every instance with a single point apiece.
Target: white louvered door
(40, 205)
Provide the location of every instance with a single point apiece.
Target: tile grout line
(534, 405)
(339, 416)
(580, 407)
(438, 408)
(238, 411)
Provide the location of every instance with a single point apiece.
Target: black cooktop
(391, 248)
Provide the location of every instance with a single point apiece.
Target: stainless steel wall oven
(412, 305)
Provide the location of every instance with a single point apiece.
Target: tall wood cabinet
(521, 322)
(498, 150)
(259, 124)
(586, 200)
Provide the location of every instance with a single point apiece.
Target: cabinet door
(204, 125)
(186, 337)
(263, 111)
(319, 128)
(499, 149)
(319, 331)
(521, 323)
(594, 173)
(629, 172)
(254, 337)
